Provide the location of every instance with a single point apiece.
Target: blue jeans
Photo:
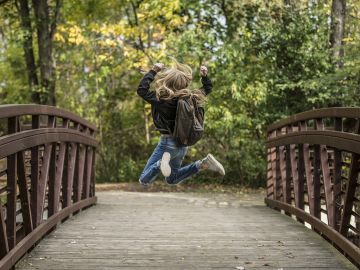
(178, 173)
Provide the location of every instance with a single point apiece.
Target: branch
(2, 2)
(56, 18)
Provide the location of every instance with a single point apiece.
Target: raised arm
(205, 80)
(144, 86)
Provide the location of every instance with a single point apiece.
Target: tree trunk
(45, 31)
(29, 50)
(337, 31)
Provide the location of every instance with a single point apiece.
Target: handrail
(314, 171)
(50, 172)
(15, 110)
(333, 112)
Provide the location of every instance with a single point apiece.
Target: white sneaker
(164, 165)
(213, 164)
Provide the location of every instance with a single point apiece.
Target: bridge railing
(313, 173)
(47, 173)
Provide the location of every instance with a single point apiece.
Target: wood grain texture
(182, 231)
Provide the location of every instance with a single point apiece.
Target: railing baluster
(305, 152)
(88, 168)
(298, 189)
(11, 190)
(93, 176)
(287, 188)
(4, 246)
(316, 179)
(350, 189)
(337, 177)
(79, 173)
(269, 180)
(48, 158)
(55, 186)
(35, 177)
(349, 195)
(24, 193)
(273, 154)
(326, 178)
(278, 183)
(300, 173)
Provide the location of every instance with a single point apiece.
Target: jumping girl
(170, 85)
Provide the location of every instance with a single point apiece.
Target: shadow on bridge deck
(182, 231)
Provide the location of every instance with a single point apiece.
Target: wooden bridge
(48, 158)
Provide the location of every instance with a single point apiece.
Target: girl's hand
(158, 67)
(203, 71)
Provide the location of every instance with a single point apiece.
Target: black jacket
(164, 111)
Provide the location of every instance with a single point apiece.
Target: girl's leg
(152, 167)
(178, 173)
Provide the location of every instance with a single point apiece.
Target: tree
(24, 12)
(337, 30)
(46, 27)
(40, 65)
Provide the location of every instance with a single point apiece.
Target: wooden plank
(329, 196)
(4, 246)
(11, 190)
(24, 194)
(30, 240)
(337, 239)
(141, 230)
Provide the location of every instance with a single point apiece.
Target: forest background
(267, 59)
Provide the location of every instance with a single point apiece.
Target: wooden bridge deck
(181, 231)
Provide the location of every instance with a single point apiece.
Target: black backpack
(189, 121)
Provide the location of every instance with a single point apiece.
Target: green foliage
(266, 60)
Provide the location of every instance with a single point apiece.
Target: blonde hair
(174, 83)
